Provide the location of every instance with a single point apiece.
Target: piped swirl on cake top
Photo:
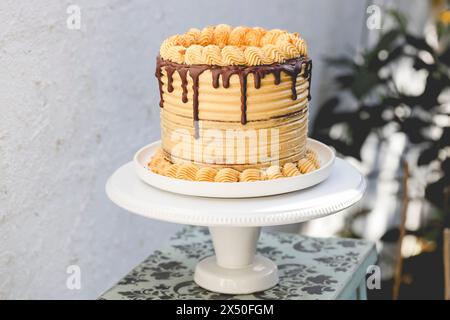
(223, 45)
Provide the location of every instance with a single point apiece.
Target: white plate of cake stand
(235, 189)
(235, 223)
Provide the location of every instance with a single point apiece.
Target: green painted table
(309, 268)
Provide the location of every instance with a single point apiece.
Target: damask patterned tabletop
(309, 268)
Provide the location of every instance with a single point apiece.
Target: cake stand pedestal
(235, 224)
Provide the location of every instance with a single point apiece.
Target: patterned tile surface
(309, 268)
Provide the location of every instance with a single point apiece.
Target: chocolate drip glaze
(243, 82)
(170, 71)
(215, 77)
(277, 76)
(195, 73)
(291, 67)
(309, 72)
(184, 82)
(158, 75)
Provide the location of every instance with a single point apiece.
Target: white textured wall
(74, 105)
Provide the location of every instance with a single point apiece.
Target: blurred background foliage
(400, 84)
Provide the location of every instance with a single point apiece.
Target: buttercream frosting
(229, 46)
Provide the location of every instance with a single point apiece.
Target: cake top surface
(223, 45)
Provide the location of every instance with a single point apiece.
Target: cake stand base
(261, 275)
(235, 269)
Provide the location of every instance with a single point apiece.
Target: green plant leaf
(413, 127)
(434, 192)
(385, 43)
(345, 80)
(418, 43)
(340, 61)
(399, 18)
(428, 155)
(376, 64)
(363, 83)
(388, 39)
(444, 57)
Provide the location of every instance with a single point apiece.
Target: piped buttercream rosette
(223, 45)
(188, 171)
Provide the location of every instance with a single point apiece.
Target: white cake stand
(235, 224)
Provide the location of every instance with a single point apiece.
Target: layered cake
(234, 105)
